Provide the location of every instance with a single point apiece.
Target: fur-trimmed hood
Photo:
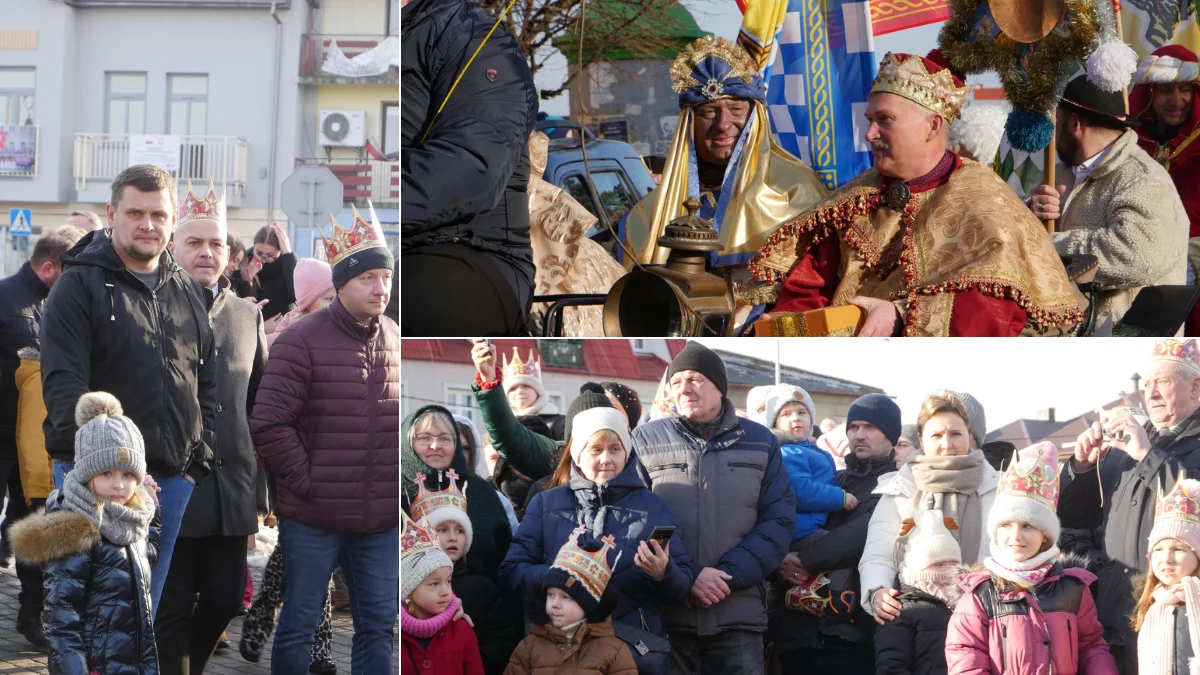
(29, 354)
(51, 535)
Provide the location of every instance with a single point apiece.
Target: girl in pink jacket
(1167, 617)
(1024, 612)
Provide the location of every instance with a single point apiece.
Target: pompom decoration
(978, 131)
(94, 404)
(1111, 66)
(1027, 131)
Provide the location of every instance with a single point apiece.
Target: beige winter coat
(1129, 215)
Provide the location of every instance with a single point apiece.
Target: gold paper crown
(429, 501)
(208, 207)
(361, 236)
(911, 79)
(590, 569)
(683, 69)
(517, 367)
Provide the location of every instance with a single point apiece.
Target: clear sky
(722, 18)
(1012, 378)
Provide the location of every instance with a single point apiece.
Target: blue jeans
(173, 500)
(371, 566)
(61, 469)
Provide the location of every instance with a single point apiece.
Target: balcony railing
(222, 159)
(353, 62)
(376, 180)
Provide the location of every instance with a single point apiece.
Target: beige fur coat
(1129, 215)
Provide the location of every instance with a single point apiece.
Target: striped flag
(889, 16)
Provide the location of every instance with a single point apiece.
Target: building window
(556, 400)
(126, 109)
(462, 402)
(187, 105)
(16, 96)
(393, 17)
(641, 346)
(391, 128)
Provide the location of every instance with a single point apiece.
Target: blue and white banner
(818, 86)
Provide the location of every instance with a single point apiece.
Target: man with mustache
(724, 155)
(126, 319)
(925, 243)
(1116, 202)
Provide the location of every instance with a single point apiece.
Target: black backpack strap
(989, 598)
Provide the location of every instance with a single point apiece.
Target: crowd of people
(164, 394)
(688, 536)
(930, 241)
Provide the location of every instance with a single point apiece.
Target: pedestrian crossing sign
(19, 222)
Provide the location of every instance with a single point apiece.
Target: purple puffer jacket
(1054, 630)
(326, 422)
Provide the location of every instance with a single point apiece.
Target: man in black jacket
(124, 318)
(839, 639)
(22, 297)
(464, 236)
(210, 553)
(1117, 498)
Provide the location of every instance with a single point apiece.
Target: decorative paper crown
(713, 67)
(664, 403)
(208, 207)
(590, 569)
(360, 237)
(1178, 504)
(417, 537)
(1172, 63)
(1033, 474)
(815, 596)
(427, 502)
(923, 82)
(1183, 352)
(518, 368)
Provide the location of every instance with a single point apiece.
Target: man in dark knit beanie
(703, 360)
(879, 411)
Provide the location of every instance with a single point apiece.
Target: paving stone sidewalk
(18, 657)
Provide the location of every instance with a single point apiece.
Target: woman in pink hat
(314, 290)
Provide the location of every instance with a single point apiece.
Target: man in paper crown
(327, 425)
(724, 154)
(210, 553)
(1119, 466)
(926, 243)
(1164, 101)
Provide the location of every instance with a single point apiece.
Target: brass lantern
(678, 299)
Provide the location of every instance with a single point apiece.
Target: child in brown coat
(571, 630)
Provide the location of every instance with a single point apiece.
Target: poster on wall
(18, 150)
(161, 151)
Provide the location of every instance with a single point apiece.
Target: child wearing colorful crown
(916, 640)
(526, 395)
(428, 629)
(1025, 610)
(498, 621)
(1167, 616)
(572, 632)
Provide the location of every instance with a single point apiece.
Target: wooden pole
(1121, 37)
(1049, 159)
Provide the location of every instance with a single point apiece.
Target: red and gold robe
(964, 257)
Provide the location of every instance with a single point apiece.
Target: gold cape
(565, 261)
(771, 186)
(973, 233)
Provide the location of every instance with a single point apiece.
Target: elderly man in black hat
(724, 477)
(1115, 203)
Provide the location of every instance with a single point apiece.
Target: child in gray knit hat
(97, 540)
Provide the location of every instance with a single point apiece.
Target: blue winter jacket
(735, 506)
(813, 476)
(624, 508)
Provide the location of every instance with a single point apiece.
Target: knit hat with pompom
(106, 440)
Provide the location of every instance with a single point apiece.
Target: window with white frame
(557, 400)
(641, 346)
(393, 17)
(125, 94)
(391, 128)
(16, 96)
(461, 401)
(187, 104)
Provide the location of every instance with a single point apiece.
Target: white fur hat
(783, 394)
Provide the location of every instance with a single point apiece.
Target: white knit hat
(782, 394)
(420, 555)
(1028, 492)
(930, 543)
(527, 372)
(756, 399)
(585, 425)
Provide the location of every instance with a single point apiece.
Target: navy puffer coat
(626, 509)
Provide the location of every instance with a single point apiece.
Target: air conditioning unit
(344, 128)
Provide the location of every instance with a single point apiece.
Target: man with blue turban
(723, 154)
